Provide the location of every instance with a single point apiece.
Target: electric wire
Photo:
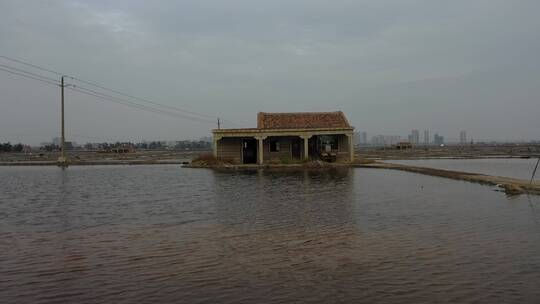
(131, 102)
(138, 106)
(106, 97)
(28, 76)
(140, 98)
(103, 96)
(31, 65)
(111, 90)
(30, 73)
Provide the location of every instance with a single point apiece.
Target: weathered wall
(230, 149)
(343, 148)
(284, 152)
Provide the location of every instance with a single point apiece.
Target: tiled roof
(302, 120)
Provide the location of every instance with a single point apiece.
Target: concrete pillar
(350, 138)
(215, 147)
(260, 150)
(306, 146)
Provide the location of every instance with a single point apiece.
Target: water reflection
(279, 228)
(304, 199)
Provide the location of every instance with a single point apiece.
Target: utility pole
(62, 160)
(218, 124)
(534, 171)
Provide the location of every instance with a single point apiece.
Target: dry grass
(206, 159)
(362, 161)
(209, 160)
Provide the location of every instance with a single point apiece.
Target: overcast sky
(389, 65)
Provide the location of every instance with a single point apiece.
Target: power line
(107, 89)
(130, 103)
(138, 106)
(140, 98)
(29, 73)
(97, 94)
(31, 65)
(134, 103)
(27, 76)
(86, 91)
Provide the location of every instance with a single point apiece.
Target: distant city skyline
(362, 137)
(462, 137)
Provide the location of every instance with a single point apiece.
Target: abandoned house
(403, 145)
(285, 137)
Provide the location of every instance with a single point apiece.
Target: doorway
(296, 148)
(249, 151)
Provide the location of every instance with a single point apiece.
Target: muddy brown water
(165, 234)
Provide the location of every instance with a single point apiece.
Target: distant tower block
(415, 137)
(463, 137)
(426, 137)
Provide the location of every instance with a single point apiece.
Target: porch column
(350, 138)
(260, 149)
(306, 146)
(215, 147)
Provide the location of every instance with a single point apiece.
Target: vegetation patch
(207, 160)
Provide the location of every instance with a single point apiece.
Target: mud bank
(316, 165)
(508, 185)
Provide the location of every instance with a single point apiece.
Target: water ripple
(163, 234)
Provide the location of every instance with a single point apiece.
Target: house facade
(284, 137)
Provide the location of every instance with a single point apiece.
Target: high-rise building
(426, 137)
(463, 137)
(360, 138)
(385, 140)
(415, 137)
(438, 139)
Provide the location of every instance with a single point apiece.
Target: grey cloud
(391, 65)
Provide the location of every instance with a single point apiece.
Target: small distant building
(70, 145)
(403, 145)
(288, 136)
(123, 148)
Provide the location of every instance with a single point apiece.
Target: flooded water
(508, 167)
(165, 234)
